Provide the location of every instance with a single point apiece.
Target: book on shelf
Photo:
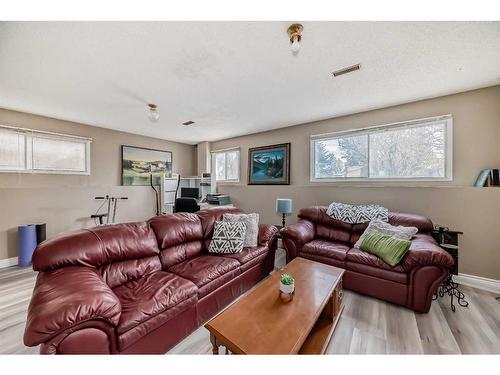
(494, 177)
(488, 177)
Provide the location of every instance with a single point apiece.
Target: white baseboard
(490, 285)
(9, 262)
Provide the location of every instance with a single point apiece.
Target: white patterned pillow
(228, 238)
(355, 214)
(252, 226)
(400, 232)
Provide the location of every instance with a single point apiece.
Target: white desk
(169, 208)
(204, 206)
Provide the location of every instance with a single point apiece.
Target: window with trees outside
(413, 150)
(226, 165)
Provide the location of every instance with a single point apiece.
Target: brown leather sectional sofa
(411, 283)
(137, 287)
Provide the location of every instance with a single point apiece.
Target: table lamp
(283, 206)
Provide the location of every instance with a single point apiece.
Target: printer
(218, 199)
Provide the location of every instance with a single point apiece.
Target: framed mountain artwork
(269, 165)
(138, 164)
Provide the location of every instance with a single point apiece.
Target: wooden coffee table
(260, 323)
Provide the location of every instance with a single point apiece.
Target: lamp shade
(283, 206)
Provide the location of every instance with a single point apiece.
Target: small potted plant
(287, 287)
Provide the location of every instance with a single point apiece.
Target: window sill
(226, 183)
(386, 182)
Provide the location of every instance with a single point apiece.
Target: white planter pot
(288, 289)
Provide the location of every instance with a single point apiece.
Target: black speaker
(41, 233)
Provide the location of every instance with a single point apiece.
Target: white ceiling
(234, 78)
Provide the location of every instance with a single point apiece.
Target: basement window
(32, 151)
(226, 165)
(419, 150)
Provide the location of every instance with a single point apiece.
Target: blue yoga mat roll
(26, 237)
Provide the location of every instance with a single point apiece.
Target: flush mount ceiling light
(153, 113)
(295, 33)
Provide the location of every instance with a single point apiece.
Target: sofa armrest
(65, 298)
(424, 251)
(295, 236)
(267, 234)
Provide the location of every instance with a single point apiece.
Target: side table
(448, 241)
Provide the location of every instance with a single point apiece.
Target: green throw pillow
(390, 249)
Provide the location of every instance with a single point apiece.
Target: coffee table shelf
(320, 335)
(260, 323)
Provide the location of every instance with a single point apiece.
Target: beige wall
(476, 140)
(203, 158)
(66, 202)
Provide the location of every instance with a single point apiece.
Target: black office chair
(186, 205)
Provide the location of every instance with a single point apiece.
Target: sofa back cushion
(179, 237)
(208, 218)
(131, 251)
(121, 252)
(325, 226)
(335, 230)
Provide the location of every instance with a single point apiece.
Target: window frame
(30, 134)
(214, 169)
(448, 150)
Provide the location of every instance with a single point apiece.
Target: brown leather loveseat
(137, 287)
(411, 283)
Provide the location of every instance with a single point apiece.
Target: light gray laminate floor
(367, 325)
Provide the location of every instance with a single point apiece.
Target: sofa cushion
(335, 250)
(115, 274)
(422, 223)
(248, 256)
(380, 273)
(251, 223)
(151, 295)
(175, 229)
(209, 216)
(424, 251)
(398, 231)
(207, 272)
(388, 248)
(362, 257)
(96, 247)
(355, 214)
(228, 238)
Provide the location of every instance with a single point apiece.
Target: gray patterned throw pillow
(228, 238)
(355, 214)
(252, 226)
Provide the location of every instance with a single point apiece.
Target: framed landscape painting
(138, 164)
(269, 165)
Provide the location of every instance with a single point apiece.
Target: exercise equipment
(110, 215)
(41, 232)
(157, 199)
(26, 242)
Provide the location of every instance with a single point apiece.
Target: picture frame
(139, 163)
(269, 165)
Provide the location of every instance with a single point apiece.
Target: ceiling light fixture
(153, 113)
(295, 33)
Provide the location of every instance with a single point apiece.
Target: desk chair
(186, 205)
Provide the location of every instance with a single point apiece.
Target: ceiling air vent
(187, 123)
(349, 69)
